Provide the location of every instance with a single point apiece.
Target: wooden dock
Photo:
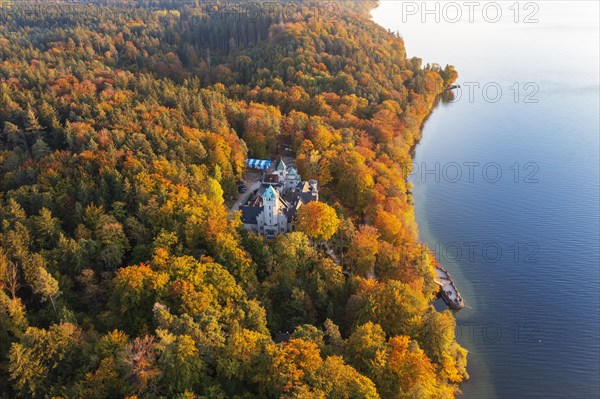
(448, 290)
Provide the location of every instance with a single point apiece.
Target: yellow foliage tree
(318, 221)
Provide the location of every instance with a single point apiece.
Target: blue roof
(270, 193)
(258, 163)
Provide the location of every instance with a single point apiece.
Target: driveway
(243, 198)
(289, 161)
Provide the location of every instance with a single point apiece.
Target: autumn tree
(317, 220)
(42, 357)
(363, 250)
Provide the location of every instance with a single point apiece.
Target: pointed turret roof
(281, 166)
(270, 193)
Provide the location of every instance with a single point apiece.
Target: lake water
(507, 188)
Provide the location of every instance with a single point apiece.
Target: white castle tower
(274, 215)
(271, 207)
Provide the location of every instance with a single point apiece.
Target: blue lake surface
(507, 190)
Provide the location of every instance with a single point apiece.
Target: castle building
(273, 209)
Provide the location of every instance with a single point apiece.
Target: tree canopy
(317, 220)
(124, 128)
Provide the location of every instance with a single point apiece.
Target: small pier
(452, 87)
(448, 290)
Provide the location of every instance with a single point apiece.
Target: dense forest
(124, 128)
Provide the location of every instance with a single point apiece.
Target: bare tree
(11, 278)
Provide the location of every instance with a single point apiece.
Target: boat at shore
(448, 290)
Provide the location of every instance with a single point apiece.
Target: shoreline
(423, 231)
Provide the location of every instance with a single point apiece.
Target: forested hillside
(123, 130)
